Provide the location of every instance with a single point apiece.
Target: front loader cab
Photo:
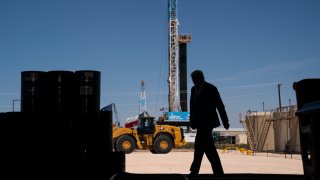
(146, 125)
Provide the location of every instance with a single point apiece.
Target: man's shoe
(219, 173)
(192, 173)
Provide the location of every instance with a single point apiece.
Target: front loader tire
(163, 144)
(125, 143)
(114, 140)
(153, 151)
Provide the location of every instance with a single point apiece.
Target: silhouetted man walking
(205, 100)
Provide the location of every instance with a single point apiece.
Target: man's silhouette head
(197, 77)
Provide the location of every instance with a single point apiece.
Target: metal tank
(294, 136)
(88, 85)
(294, 131)
(281, 131)
(262, 135)
(62, 88)
(33, 91)
(286, 130)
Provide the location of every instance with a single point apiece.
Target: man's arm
(222, 111)
(192, 119)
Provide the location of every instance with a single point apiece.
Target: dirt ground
(233, 162)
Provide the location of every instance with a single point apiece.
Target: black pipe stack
(33, 91)
(183, 76)
(60, 131)
(61, 91)
(88, 90)
(308, 104)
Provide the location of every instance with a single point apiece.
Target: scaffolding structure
(257, 127)
(282, 137)
(173, 79)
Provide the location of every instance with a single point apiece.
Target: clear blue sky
(244, 47)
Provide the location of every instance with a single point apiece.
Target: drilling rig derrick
(173, 81)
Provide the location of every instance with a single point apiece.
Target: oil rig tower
(142, 100)
(173, 81)
(177, 68)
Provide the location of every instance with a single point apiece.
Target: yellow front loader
(159, 139)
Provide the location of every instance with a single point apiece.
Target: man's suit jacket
(205, 100)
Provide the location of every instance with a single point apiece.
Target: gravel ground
(179, 161)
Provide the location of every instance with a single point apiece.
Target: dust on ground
(179, 161)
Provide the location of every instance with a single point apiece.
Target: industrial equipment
(177, 113)
(159, 139)
(165, 134)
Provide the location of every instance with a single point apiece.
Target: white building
(233, 135)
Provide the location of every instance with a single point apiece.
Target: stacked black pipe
(308, 104)
(60, 131)
(60, 91)
(88, 84)
(183, 77)
(34, 90)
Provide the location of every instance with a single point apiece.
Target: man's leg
(213, 156)
(197, 155)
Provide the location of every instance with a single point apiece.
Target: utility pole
(279, 94)
(289, 102)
